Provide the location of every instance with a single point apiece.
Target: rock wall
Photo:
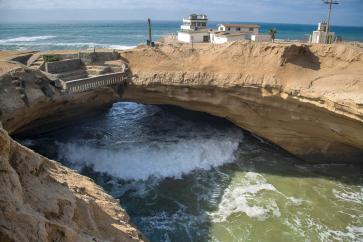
(305, 99)
(29, 102)
(41, 200)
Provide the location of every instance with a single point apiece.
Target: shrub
(50, 58)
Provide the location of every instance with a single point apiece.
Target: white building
(248, 29)
(322, 36)
(194, 29)
(234, 32)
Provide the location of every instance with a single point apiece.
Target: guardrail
(86, 84)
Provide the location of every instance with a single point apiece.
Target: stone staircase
(72, 75)
(95, 70)
(36, 62)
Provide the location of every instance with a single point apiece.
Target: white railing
(86, 84)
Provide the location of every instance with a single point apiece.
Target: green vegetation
(50, 58)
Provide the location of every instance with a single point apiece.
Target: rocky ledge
(41, 200)
(307, 99)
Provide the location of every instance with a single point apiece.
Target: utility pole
(150, 39)
(330, 3)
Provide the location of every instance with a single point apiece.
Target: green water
(184, 177)
(282, 208)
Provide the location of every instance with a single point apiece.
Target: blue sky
(349, 12)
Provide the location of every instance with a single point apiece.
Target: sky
(348, 12)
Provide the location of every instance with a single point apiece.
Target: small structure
(234, 32)
(322, 35)
(194, 29)
(240, 28)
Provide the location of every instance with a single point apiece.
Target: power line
(330, 3)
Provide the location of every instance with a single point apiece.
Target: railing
(86, 84)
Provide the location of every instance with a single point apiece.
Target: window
(251, 29)
(228, 28)
(238, 29)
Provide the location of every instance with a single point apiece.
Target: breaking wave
(27, 39)
(144, 141)
(155, 159)
(19, 45)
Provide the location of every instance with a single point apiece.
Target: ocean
(126, 34)
(186, 176)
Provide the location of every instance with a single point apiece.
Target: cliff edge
(41, 200)
(306, 99)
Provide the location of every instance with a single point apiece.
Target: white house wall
(261, 38)
(197, 37)
(255, 31)
(215, 39)
(184, 37)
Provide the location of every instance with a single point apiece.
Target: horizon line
(161, 20)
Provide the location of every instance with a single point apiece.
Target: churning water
(186, 176)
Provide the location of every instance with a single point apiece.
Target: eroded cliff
(40, 200)
(30, 102)
(306, 99)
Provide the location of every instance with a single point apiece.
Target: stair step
(71, 73)
(38, 62)
(75, 77)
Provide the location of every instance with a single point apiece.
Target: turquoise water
(123, 35)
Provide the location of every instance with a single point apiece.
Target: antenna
(330, 3)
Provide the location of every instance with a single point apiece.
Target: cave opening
(189, 176)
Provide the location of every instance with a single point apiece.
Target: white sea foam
(246, 196)
(27, 39)
(349, 195)
(30, 43)
(120, 47)
(173, 159)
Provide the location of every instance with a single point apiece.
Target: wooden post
(192, 39)
(150, 38)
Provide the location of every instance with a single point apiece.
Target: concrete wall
(91, 57)
(62, 66)
(320, 37)
(67, 56)
(216, 39)
(261, 38)
(198, 37)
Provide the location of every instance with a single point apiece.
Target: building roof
(241, 25)
(197, 17)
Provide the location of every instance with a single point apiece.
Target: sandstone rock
(307, 99)
(30, 102)
(40, 200)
